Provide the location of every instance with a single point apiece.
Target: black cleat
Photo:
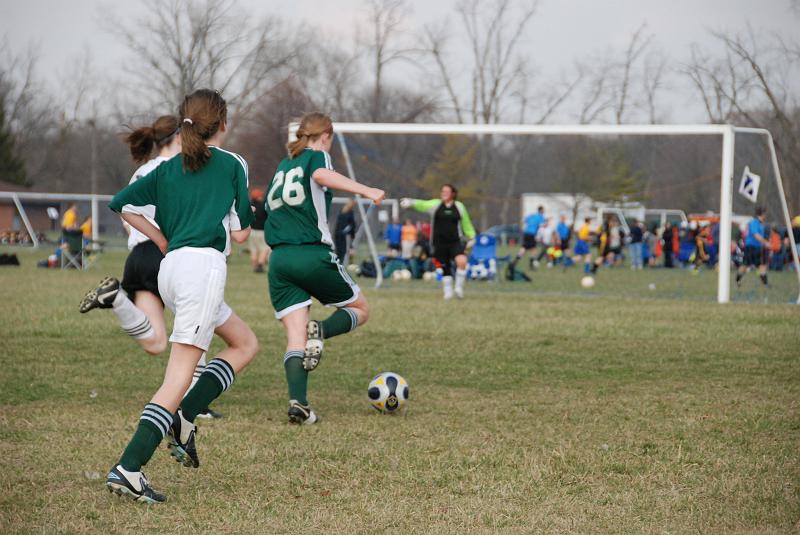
(133, 485)
(301, 414)
(210, 414)
(100, 297)
(314, 344)
(181, 441)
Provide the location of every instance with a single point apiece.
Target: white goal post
(728, 133)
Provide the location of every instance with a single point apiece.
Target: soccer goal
(694, 169)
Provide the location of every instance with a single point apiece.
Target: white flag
(748, 188)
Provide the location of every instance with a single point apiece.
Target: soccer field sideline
(546, 413)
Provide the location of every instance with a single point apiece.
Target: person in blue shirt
(755, 248)
(530, 227)
(564, 232)
(393, 237)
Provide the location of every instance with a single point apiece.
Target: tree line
(470, 68)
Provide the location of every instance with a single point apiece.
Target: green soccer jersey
(194, 208)
(297, 207)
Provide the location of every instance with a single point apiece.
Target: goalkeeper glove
(405, 202)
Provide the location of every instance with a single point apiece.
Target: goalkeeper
(451, 228)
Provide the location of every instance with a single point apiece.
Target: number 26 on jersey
(287, 189)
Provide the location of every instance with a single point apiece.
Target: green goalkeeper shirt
(194, 208)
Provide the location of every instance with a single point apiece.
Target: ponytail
(312, 126)
(142, 140)
(202, 113)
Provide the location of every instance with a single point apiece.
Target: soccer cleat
(102, 296)
(301, 414)
(181, 441)
(314, 344)
(133, 485)
(210, 414)
(459, 292)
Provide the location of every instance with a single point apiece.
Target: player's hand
(163, 246)
(405, 202)
(470, 244)
(376, 195)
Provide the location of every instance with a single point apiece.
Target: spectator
(70, 220)
(408, 239)
(635, 246)
(650, 240)
(393, 237)
(667, 236)
(345, 229)
(86, 230)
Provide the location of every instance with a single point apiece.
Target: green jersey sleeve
(466, 222)
(425, 206)
(319, 160)
(241, 212)
(141, 193)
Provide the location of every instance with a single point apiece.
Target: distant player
(530, 229)
(452, 234)
(259, 251)
(582, 248)
(202, 204)
(139, 307)
(303, 264)
(755, 248)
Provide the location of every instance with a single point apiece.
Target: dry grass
(529, 413)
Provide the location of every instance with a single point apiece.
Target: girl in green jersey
(202, 203)
(303, 264)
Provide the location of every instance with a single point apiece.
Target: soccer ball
(587, 281)
(387, 392)
(405, 275)
(397, 275)
(429, 276)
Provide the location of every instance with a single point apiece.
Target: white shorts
(191, 282)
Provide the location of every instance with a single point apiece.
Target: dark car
(506, 234)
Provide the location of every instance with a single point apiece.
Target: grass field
(533, 409)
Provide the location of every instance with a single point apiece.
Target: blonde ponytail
(312, 126)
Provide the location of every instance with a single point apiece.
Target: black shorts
(754, 255)
(528, 241)
(446, 252)
(609, 250)
(565, 244)
(141, 269)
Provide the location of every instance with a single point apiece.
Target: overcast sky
(562, 32)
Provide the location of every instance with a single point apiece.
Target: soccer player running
(303, 264)
(138, 306)
(201, 202)
(530, 226)
(582, 250)
(755, 248)
(451, 226)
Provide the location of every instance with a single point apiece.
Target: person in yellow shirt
(582, 250)
(70, 219)
(86, 228)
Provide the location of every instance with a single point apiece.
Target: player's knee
(249, 345)
(155, 345)
(363, 312)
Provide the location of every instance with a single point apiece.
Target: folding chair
(482, 263)
(72, 250)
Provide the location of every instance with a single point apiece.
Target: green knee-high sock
(153, 425)
(216, 379)
(296, 376)
(342, 321)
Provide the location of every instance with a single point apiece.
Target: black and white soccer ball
(388, 392)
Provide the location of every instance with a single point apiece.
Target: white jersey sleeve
(148, 211)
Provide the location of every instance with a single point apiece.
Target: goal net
(687, 175)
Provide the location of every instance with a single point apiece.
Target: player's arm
(140, 223)
(241, 214)
(420, 205)
(331, 179)
(466, 222)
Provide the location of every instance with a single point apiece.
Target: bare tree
(181, 46)
(385, 20)
(636, 47)
(655, 68)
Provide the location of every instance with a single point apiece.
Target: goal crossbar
(728, 133)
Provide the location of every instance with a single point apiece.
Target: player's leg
(441, 252)
(152, 307)
(333, 286)
(295, 323)
(763, 266)
(461, 273)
